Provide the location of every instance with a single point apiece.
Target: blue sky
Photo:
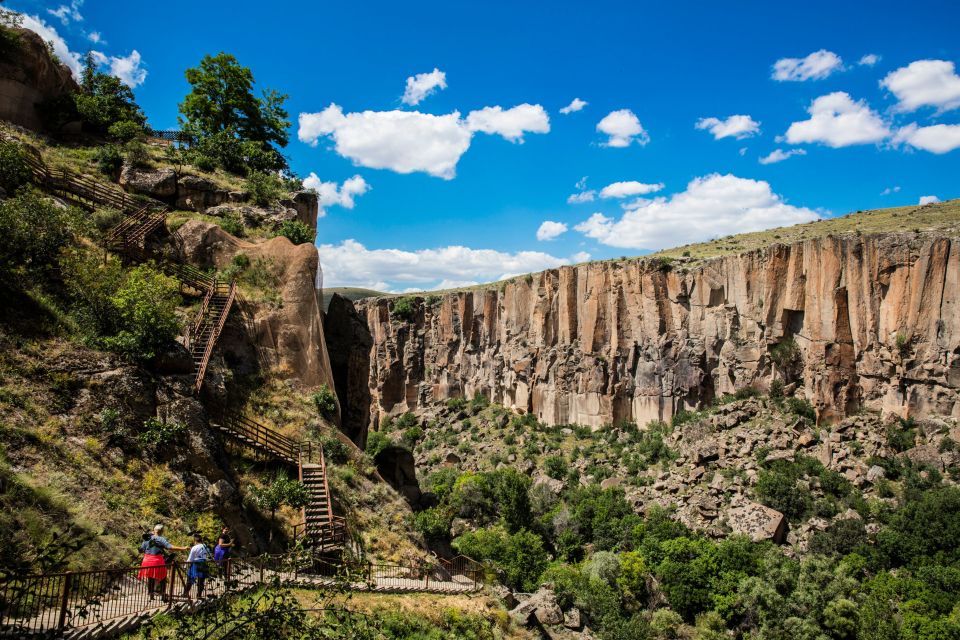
(454, 183)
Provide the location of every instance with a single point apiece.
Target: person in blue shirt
(197, 571)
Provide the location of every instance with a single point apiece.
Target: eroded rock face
(349, 345)
(288, 332)
(29, 77)
(875, 319)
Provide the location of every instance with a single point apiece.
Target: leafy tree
(145, 306)
(14, 172)
(264, 188)
(281, 491)
(105, 102)
(325, 401)
(235, 128)
(377, 441)
(32, 232)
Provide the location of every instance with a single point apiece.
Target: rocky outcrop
(30, 76)
(349, 344)
(395, 465)
(861, 322)
(286, 330)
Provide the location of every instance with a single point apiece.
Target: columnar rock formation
(875, 320)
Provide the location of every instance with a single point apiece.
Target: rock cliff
(30, 76)
(851, 321)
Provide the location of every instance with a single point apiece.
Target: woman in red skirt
(153, 569)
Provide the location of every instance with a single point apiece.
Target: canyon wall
(863, 322)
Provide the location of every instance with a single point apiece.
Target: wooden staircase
(202, 335)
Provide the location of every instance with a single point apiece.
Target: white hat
(157, 527)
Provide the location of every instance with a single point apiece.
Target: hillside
(350, 293)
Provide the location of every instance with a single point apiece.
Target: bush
(556, 467)
(334, 450)
(802, 408)
(786, 353)
(136, 154)
(108, 159)
(902, 435)
(520, 556)
(296, 232)
(145, 305)
(780, 491)
(840, 538)
(478, 403)
(325, 401)
(456, 404)
(412, 436)
(433, 524)
(264, 188)
(776, 389)
(14, 172)
(125, 131)
(157, 433)
(377, 441)
(403, 309)
(32, 232)
(106, 219)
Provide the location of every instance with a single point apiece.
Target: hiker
(224, 545)
(197, 573)
(154, 565)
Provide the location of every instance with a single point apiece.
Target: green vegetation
(32, 232)
(281, 491)
(296, 232)
(14, 172)
(235, 129)
(403, 308)
(325, 401)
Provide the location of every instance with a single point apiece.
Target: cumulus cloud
(889, 190)
(49, 34)
(925, 83)
(623, 128)
(837, 120)
(928, 200)
(127, 68)
(712, 206)
(410, 141)
(869, 60)
(352, 264)
(549, 230)
(65, 13)
(95, 37)
(738, 126)
(938, 138)
(330, 194)
(582, 196)
(422, 85)
(629, 188)
(402, 141)
(510, 123)
(576, 105)
(779, 155)
(816, 66)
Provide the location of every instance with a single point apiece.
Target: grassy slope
(942, 218)
(350, 293)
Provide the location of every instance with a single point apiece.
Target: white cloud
(889, 190)
(352, 264)
(938, 138)
(816, 66)
(738, 126)
(95, 37)
(422, 85)
(402, 141)
(869, 60)
(49, 34)
(624, 128)
(629, 188)
(574, 106)
(928, 200)
(779, 155)
(510, 123)
(127, 68)
(550, 230)
(580, 256)
(837, 121)
(925, 83)
(582, 196)
(330, 194)
(409, 141)
(66, 13)
(712, 206)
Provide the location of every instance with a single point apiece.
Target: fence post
(173, 580)
(426, 580)
(261, 570)
(65, 599)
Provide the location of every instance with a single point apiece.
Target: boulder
(198, 194)
(542, 605)
(875, 473)
(160, 184)
(758, 522)
(573, 619)
(306, 204)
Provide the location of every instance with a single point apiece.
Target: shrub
(334, 450)
(14, 172)
(158, 433)
(136, 154)
(377, 441)
(325, 401)
(776, 389)
(32, 232)
(780, 491)
(802, 408)
(433, 524)
(108, 159)
(479, 403)
(840, 538)
(456, 404)
(296, 232)
(403, 308)
(145, 305)
(412, 436)
(520, 556)
(902, 435)
(125, 131)
(264, 188)
(556, 467)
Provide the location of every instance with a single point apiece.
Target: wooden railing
(219, 321)
(171, 135)
(255, 435)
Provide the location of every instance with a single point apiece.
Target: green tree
(32, 232)
(14, 172)
(104, 101)
(280, 492)
(146, 305)
(296, 232)
(236, 129)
